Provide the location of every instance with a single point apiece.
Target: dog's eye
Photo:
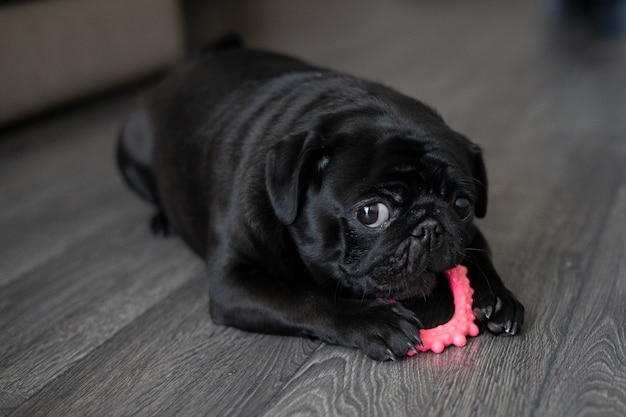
(463, 207)
(373, 215)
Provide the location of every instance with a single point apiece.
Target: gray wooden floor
(97, 317)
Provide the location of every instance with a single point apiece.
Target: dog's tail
(226, 42)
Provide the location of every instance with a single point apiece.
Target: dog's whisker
(476, 250)
(472, 180)
(338, 289)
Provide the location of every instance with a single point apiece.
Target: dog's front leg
(246, 297)
(493, 303)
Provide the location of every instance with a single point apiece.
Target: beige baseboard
(56, 51)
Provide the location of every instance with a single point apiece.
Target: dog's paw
(382, 330)
(160, 225)
(499, 310)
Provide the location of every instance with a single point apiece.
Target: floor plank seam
(74, 243)
(86, 356)
(572, 306)
(272, 399)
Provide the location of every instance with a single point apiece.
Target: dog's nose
(428, 231)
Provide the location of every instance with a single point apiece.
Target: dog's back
(162, 142)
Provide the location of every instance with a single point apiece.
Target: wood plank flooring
(97, 317)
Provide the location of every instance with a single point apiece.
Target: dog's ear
(289, 166)
(479, 175)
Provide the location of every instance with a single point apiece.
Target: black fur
(268, 168)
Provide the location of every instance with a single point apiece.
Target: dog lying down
(312, 196)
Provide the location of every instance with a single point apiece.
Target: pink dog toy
(462, 322)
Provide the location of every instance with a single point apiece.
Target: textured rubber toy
(461, 325)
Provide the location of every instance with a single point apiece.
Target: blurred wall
(55, 51)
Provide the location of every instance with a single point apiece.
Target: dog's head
(379, 201)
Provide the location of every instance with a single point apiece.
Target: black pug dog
(312, 196)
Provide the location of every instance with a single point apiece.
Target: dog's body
(311, 195)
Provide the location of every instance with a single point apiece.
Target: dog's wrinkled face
(376, 212)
